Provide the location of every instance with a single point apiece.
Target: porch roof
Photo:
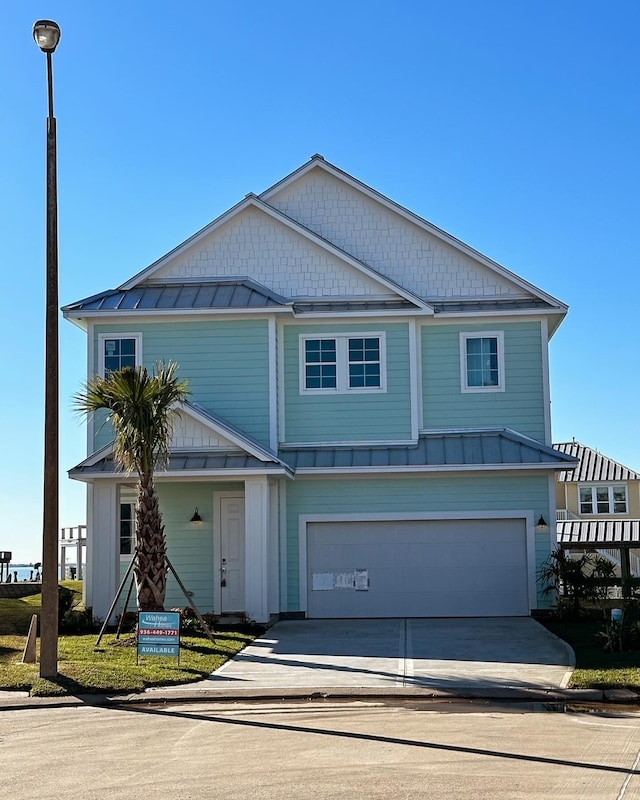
(187, 464)
(493, 448)
(226, 293)
(578, 534)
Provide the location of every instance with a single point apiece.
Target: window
(118, 351)
(482, 362)
(364, 363)
(126, 528)
(320, 364)
(603, 499)
(126, 521)
(342, 363)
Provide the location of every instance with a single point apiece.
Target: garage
(417, 568)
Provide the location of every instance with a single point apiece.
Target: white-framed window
(342, 363)
(482, 361)
(118, 350)
(603, 499)
(126, 521)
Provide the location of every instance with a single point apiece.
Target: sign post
(158, 634)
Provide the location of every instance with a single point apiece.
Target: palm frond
(140, 407)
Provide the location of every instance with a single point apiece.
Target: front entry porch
(228, 559)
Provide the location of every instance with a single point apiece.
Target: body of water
(26, 573)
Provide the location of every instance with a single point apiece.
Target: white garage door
(435, 568)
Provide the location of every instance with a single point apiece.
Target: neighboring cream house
(598, 507)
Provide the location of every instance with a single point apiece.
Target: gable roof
(318, 162)
(172, 284)
(593, 466)
(253, 201)
(231, 452)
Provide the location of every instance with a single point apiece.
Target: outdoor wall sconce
(196, 519)
(542, 522)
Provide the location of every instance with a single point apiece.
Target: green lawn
(112, 668)
(595, 667)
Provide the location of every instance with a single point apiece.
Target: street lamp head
(46, 32)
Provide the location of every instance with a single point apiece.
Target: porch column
(256, 520)
(103, 567)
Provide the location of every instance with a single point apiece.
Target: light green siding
(350, 416)
(520, 406)
(190, 548)
(226, 363)
(429, 494)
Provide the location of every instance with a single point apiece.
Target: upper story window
(342, 363)
(482, 362)
(603, 500)
(118, 351)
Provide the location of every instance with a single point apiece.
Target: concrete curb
(616, 697)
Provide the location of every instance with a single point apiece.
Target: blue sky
(513, 126)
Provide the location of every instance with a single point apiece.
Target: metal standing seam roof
(226, 293)
(499, 447)
(578, 533)
(593, 466)
(492, 448)
(209, 461)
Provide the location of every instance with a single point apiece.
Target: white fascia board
(174, 475)
(377, 443)
(147, 272)
(320, 163)
(348, 315)
(546, 388)
(228, 433)
(453, 316)
(415, 516)
(119, 316)
(103, 452)
(423, 469)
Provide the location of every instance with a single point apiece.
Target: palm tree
(140, 409)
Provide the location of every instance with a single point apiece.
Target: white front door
(231, 552)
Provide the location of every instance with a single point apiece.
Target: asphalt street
(367, 749)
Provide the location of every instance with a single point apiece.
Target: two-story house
(368, 433)
(598, 506)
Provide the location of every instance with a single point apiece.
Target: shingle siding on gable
(520, 406)
(259, 247)
(390, 244)
(355, 416)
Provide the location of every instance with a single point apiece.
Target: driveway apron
(441, 654)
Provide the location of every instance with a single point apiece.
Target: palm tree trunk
(151, 565)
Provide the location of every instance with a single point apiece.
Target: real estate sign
(159, 633)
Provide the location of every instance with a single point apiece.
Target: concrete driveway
(439, 654)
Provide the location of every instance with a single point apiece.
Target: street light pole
(47, 35)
